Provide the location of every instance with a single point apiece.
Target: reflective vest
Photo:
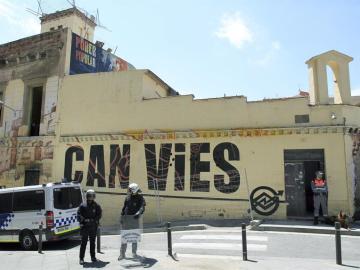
(319, 183)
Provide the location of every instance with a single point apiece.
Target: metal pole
(169, 239)
(40, 238)
(248, 192)
(98, 240)
(244, 244)
(338, 243)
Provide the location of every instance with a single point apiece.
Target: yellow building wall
(261, 157)
(117, 100)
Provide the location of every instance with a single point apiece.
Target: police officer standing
(89, 215)
(134, 205)
(320, 192)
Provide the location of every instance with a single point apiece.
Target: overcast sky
(209, 47)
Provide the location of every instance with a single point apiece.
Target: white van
(23, 209)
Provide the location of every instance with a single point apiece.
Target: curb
(303, 229)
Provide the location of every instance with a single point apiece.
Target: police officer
(320, 192)
(89, 215)
(134, 205)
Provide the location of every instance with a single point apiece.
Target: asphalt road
(212, 247)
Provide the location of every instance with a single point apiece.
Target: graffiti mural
(265, 200)
(158, 160)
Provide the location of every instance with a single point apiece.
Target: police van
(53, 205)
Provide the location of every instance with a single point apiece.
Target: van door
(6, 216)
(29, 209)
(66, 203)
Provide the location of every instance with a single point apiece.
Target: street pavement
(215, 248)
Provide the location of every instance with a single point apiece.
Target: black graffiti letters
(157, 175)
(232, 172)
(197, 166)
(79, 155)
(191, 166)
(121, 162)
(96, 168)
(179, 167)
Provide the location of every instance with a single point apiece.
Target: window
(5, 203)
(302, 118)
(32, 177)
(1, 107)
(29, 200)
(67, 198)
(3, 63)
(37, 95)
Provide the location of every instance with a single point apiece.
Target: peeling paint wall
(26, 63)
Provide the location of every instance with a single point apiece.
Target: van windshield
(67, 197)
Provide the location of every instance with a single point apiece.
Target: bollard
(169, 240)
(98, 240)
(40, 238)
(338, 243)
(244, 244)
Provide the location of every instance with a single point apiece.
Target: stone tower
(339, 64)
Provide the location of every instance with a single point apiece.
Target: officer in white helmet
(134, 205)
(89, 215)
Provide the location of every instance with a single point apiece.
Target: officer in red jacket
(320, 191)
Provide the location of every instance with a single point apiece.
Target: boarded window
(29, 200)
(302, 118)
(32, 177)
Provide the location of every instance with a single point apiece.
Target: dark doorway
(300, 167)
(32, 177)
(36, 105)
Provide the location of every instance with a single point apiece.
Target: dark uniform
(134, 205)
(89, 215)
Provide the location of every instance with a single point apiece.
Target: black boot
(316, 220)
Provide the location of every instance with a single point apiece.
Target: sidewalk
(159, 260)
(303, 226)
(299, 226)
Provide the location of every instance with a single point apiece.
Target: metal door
(295, 189)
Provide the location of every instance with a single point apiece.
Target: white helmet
(134, 188)
(90, 194)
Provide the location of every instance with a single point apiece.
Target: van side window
(29, 200)
(67, 198)
(5, 203)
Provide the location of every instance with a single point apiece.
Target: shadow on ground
(99, 264)
(57, 245)
(139, 262)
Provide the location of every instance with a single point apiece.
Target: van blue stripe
(5, 220)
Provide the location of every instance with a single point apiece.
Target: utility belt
(90, 221)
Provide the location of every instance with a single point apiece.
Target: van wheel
(28, 241)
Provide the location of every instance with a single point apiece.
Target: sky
(211, 48)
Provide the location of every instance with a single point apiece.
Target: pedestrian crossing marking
(219, 246)
(202, 256)
(223, 237)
